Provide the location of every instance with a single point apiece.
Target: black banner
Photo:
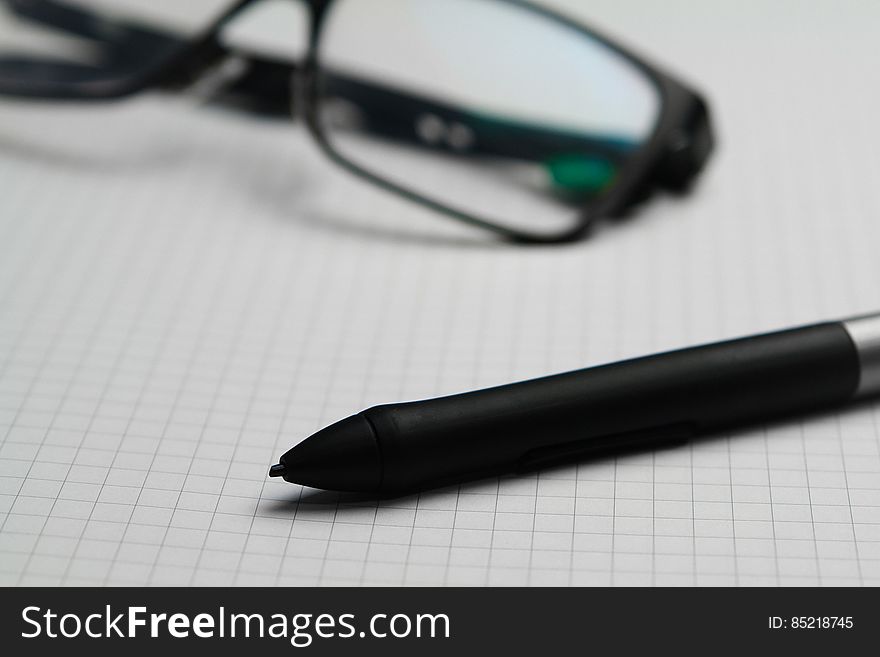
(436, 621)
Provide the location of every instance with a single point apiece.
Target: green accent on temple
(581, 173)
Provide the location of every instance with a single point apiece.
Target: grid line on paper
(315, 305)
(772, 516)
(163, 343)
(89, 343)
(114, 368)
(736, 579)
(212, 405)
(858, 561)
(809, 488)
(347, 298)
(181, 302)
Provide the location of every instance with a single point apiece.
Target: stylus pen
(646, 402)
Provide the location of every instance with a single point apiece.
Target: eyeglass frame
(672, 157)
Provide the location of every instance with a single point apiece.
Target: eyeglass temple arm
(130, 57)
(110, 32)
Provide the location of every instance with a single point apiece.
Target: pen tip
(277, 470)
(343, 456)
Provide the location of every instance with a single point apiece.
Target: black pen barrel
(666, 397)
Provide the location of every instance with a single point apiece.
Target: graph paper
(186, 293)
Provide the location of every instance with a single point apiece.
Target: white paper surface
(185, 294)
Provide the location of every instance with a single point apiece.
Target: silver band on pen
(865, 334)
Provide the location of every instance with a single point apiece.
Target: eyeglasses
(499, 113)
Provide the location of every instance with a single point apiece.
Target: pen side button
(594, 446)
